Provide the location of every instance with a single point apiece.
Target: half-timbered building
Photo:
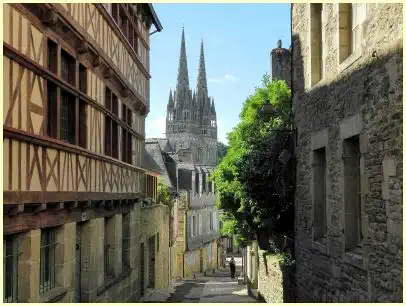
(75, 97)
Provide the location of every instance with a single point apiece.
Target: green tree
(221, 151)
(247, 143)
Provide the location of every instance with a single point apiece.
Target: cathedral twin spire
(183, 98)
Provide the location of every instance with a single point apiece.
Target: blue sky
(237, 40)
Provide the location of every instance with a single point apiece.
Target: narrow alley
(212, 288)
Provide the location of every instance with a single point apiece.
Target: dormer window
(170, 116)
(213, 123)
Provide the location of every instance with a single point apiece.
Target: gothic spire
(201, 80)
(183, 77)
(213, 109)
(170, 101)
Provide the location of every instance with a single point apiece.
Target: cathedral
(191, 122)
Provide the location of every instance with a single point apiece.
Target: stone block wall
(276, 283)
(92, 286)
(204, 257)
(360, 96)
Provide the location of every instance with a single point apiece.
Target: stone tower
(191, 121)
(281, 64)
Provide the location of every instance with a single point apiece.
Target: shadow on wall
(374, 89)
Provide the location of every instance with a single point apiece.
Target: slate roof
(150, 164)
(154, 151)
(163, 143)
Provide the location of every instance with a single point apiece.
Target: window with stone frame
(47, 260)
(351, 17)
(316, 42)
(319, 193)
(126, 240)
(352, 193)
(10, 268)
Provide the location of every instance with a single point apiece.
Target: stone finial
(279, 43)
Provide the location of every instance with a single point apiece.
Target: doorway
(78, 258)
(151, 268)
(142, 269)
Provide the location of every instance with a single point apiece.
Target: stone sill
(53, 295)
(356, 55)
(321, 245)
(109, 282)
(355, 258)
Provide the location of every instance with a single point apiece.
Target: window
(67, 68)
(194, 225)
(127, 21)
(204, 182)
(10, 268)
(345, 33)
(82, 124)
(64, 110)
(316, 28)
(213, 123)
(108, 262)
(52, 57)
(52, 92)
(126, 240)
(82, 78)
(211, 221)
(197, 183)
(111, 127)
(319, 193)
(358, 17)
(68, 120)
(126, 148)
(352, 193)
(47, 260)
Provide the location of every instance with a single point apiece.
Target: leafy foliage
(251, 183)
(221, 151)
(163, 194)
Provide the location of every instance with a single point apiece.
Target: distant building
(281, 64)
(347, 93)
(76, 94)
(188, 156)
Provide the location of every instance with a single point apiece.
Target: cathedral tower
(191, 122)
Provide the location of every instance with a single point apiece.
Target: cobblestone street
(212, 288)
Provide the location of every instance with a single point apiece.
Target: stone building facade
(76, 80)
(194, 229)
(347, 97)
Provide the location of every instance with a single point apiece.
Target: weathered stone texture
(275, 281)
(369, 88)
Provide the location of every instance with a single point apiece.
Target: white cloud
(225, 78)
(155, 127)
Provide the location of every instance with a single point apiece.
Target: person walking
(232, 267)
